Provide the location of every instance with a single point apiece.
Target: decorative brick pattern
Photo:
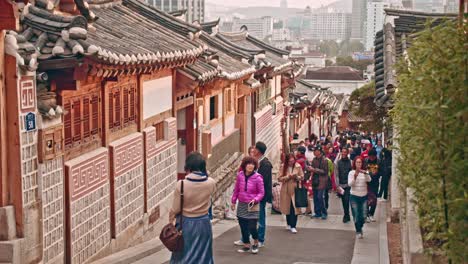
(268, 130)
(52, 187)
(88, 203)
(161, 168)
(29, 164)
(127, 178)
(263, 119)
(27, 94)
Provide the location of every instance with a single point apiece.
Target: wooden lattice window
(122, 105)
(81, 119)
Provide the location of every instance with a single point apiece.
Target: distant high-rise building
(257, 27)
(451, 6)
(325, 25)
(195, 8)
(358, 19)
(430, 6)
(284, 4)
(374, 22)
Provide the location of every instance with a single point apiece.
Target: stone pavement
(317, 241)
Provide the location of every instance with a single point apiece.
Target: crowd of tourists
(354, 166)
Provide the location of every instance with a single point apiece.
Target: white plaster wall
(318, 62)
(157, 96)
(272, 85)
(229, 124)
(216, 133)
(181, 119)
(346, 87)
(220, 105)
(278, 84)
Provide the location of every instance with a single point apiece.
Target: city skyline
(273, 3)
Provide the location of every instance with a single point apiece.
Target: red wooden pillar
(8, 20)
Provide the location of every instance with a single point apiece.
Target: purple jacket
(247, 189)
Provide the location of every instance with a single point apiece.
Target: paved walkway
(317, 241)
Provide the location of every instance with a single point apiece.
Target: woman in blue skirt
(196, 224)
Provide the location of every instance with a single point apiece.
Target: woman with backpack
(291, 177)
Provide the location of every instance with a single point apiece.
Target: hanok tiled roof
(276, 57)
(340, 73)
(211, 26)
(391, 43)
(231, 63)
(352, 118)
(164, 19)
(312, 90)
(120, 36)
(201, 71)
(178, 13)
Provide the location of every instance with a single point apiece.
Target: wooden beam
(3, 128)
(8, 16)
(57, 64)
(13, 139)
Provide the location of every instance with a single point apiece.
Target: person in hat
(300, 156)
(319, 169)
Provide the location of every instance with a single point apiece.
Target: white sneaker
(293, 230)
(368, 219)
(372, 219)
(261, 244)
(254, 249)
(360, 235)
(238, 243)
(288, 227)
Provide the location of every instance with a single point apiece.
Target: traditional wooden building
(266, 102)
(97, 145)
(105, 100)
(304, 101)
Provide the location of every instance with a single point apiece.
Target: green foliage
(358, 65)
(362, 105)
(431, 115)
(329, 47)
(347, 47)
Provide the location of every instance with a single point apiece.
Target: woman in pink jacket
(249, 192)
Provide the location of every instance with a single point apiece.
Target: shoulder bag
(300, 196)
(170, 236)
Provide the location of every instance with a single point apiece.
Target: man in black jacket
(264, 169)
(375, 171)
(343, 167)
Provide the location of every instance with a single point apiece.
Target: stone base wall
(127, 181)
(88, 214)
(53, 225)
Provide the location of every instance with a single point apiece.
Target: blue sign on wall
(30, 121)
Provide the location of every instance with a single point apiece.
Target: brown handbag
(170, 236)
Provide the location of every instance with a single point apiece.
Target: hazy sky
(291, 3)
